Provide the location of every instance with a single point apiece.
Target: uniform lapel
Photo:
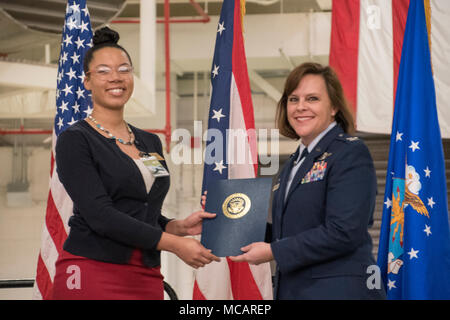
(284, 175)
(307, 164)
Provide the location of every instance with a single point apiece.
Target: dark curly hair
(104, 37)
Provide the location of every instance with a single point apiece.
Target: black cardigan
(113, 213)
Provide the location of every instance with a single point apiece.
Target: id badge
(154, 166)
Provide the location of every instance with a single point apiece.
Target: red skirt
(80, 278)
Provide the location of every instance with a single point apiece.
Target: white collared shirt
(310, 148)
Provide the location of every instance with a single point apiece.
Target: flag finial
(242, 14)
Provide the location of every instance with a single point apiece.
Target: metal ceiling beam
(23, 75)
(43, 26)
(270, 90)
(324, 5)
(30, 10)
(94, 5)
(40, 12)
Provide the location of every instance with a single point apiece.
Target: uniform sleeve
(350, 202)
(77, 172)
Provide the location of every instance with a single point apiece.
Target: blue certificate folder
(241, 207)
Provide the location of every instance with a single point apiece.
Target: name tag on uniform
(316, 173)
(154, 166)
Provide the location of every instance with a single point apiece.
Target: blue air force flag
(414, 250)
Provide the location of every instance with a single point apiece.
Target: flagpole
(167, 51)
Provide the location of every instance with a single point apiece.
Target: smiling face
(110, 90)
(309, 109)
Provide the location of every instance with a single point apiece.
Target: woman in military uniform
(324, 198)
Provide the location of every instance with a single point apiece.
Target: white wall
(21, 227)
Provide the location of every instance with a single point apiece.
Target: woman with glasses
(117, 179)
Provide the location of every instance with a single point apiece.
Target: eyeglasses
(104, 72)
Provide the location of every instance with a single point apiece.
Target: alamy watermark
(373, 17)
(374, 279)
(189, 148)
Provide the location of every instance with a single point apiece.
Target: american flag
(73, 103)
(365, 51)
(231, 108)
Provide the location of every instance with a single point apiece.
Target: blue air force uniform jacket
(320, 237)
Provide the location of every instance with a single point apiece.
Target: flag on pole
(414, 250)
(231, 153)
(73, 103)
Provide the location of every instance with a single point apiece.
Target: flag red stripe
(243, 284)
(197, 294)
(43, 281)
(239, 69)
(54, 223)
(58, 203)
(345, 45)
(399, 15)
(52, 164)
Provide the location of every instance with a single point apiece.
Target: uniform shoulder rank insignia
(352, 138)
(324, 156)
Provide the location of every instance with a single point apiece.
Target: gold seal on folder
(236, 205)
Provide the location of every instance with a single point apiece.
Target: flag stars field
(76, 107)
(391, 284)
(75, 7)
(80, 93)
(67, 89)
(427, 230)
(413, 254)
(63, 58)
(75, 58)
(60, 123)
(72, 24)
(388, 203)
(414, 146)
(70, 108)
(71, 74)
(82, 76)
(217, 115)
(80, 43)
(72, 121)
(431, 203)
(63, 106)
(221, 28)
(86, 11)
(68, 40)
(215, 71)
(219, 166)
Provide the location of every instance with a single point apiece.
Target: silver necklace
(98, 125)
